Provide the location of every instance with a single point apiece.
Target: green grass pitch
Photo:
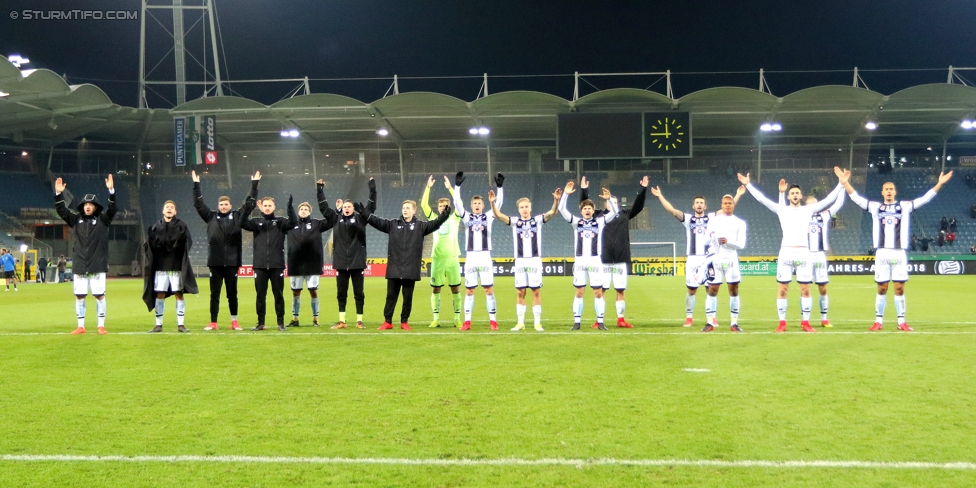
(503, 400)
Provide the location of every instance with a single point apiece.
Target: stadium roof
(40, 107)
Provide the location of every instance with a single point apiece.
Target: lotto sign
(210, 139)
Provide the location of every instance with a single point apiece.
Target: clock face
(667, 135)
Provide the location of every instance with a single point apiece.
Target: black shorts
(9, 275)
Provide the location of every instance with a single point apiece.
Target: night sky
(374, 38)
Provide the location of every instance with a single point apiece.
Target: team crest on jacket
(411, 226)
(308, 226)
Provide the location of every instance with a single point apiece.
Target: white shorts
(890, 265)
(589, 267)
(794, 260)
(96, 281)
(478, 266)
(819, 261)
(691, 266)
(311, 281)
(616, 276)
(725, 270)
(528, 273)
(168, 281)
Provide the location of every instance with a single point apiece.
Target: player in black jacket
(405, 252)
(349, 252)
(224, 254)
(90, 242)
(168, 259)
(305, 256)
(616, 247)
(269, 258)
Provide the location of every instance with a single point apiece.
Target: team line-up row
(601, 247)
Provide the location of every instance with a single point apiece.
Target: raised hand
(645, 181)
(558, 193)
(289, 200)
(447, 210)
(656, 191)
(838, 172)
(944, 177)
(320, 182)
(743, 179)
(447, 183)
(59, 186)
(110, 182)
(605, 194)
(359, 207)
(584, 183)
(195, 176)
(741, 190)
(459, 178)
(371, 184)
(783, 186)
(845, 177)
(499, 180)
(491, 196)
(257, 176)
(430, 181)
(339, 203)
(569, 188)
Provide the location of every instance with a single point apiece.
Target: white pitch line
(837, 464)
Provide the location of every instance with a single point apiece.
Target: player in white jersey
(477, 249)
(794, 252)
(819, 243)
(588, 244)
(890, 233)
(527, 239)
(696, 237)
(726, 236)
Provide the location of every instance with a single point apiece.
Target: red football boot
(78, 330)
(905, 327)
(385, 326)
(404, 326)
(782, 326)
(466, 325)
(623, 323)
(805, 325)
(494, 325)
(876, 326)
(688, 322)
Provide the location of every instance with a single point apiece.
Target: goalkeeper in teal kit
(445, 267)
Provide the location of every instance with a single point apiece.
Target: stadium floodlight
(23, 153)
(776, 126)
(483, 131)
(967, 124)
(17, 60)
(293, 133)
(766, 127)
(473, 131)
(3, 94)
(284, 133)
(382, 132)
(871, 125)
(23, 248)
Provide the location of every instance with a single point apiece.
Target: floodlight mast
(179, 51)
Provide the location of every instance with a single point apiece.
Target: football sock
(823, 307)
(457, 304)
(734, 308)
(537, 314)
(621, 308)
(435, 305)
(180, 311)
(520, 313)
(468, 306)
(781, 308)
(296, 305)
(879, 306)
(490, 305)
(233, 317)
(342, 316)
(315, 307)
(900, 308)
(577, 309)
(690, 305)
(100, 307)
(600, 306)
(359, 317)
(160, 308)
(80, 311)
(806, 303)
(711, 306)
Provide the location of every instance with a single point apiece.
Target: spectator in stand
(924, 242)
(950, 238)
(952, 224)
(914, 242)
(941, 238)
(42, 270)
(972, 249)
(944, 224)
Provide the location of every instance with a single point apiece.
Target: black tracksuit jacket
(269, 240)
(224, 229)
(305, 256)
(89, 233)
(348, 235)
(406, 244)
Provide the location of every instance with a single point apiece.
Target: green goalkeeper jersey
(445, 238)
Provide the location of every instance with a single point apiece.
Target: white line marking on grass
(839, 464)
(697, 370)
(688, 333)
